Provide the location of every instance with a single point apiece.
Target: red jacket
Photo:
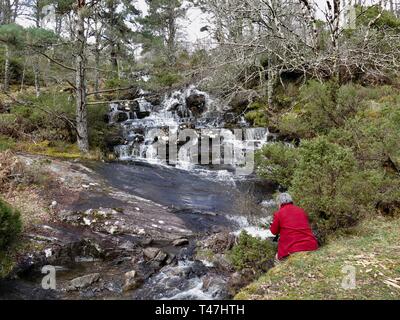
(291, 223)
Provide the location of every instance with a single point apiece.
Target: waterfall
(156, 132)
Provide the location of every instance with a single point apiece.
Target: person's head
(284, 198)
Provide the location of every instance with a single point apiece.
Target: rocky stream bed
(135, 231)
(140, 228)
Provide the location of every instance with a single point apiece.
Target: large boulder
(113, 138)
(239, 102)
(121, 116)
(196, 103)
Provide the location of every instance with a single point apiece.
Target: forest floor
(372, 250)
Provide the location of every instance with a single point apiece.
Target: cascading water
(192, 121)
(146, 126)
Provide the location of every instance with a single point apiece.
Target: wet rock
(113, 138)
(134, 106)
(239, 102)
(196, 103)
(180, 242)
(171, 259)
(146, 242)
(230, 118)
(150, 253)
(216, 286)
(207, 282)
(132, 281)
(121, 116)
(221, 262)
(198, 269)
(113, 230)
(142, 114)
(219, 243)
(127, 246)
(161, 257)
(83, 282)
(239, 280)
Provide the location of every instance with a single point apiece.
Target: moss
(57, 149)
(372, 248)
(6, 143)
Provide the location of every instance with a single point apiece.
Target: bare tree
(80, 80)
(298, 37)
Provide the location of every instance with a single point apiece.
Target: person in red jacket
(291, 224)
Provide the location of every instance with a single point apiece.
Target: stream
(157, 202)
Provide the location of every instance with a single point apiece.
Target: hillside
(372, 248)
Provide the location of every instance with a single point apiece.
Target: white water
(173, 115)
(170, 117)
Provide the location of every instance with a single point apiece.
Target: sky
(195, 19)
(191, 25)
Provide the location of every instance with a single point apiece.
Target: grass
(373, 249)
(53, 149)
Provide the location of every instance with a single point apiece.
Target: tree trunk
(23, 75)
(97, 52)
(271, 82)
(6, 85)
(114, 59)
(36, 71)
(97, 74)
(80, 84)
(171, 39)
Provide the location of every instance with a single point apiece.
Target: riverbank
(119, 230)
(372, 248)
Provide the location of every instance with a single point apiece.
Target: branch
(56, 62)
(109, 90)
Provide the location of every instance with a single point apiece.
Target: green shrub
(386, 19)
(292, 124)
(48, 117)
(257, 118)
(168, 79)
(374, 136)
(10, 224)
(321, 107)
(329, 186)
(252, 253)
(17, 71)
(98, 128)
(276, 162)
